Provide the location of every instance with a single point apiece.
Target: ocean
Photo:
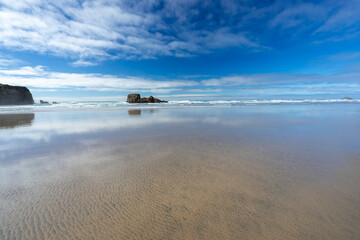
(113, 105)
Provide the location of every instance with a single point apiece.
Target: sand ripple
(185, 189)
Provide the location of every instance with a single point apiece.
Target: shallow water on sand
(262, 172)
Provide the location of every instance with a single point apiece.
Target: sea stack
(135, 98)
(15, 95)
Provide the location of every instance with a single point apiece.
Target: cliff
(14, 95)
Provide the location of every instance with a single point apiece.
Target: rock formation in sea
(135, 98)
(15, 95)
(346, 98)
(44, 102)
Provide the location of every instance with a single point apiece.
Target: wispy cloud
(6, 61)
(95, 30)
(345, 56)
(39, 77)
(321, 21)
(300, 15)
(89, 31)
(345, 15)
(268, 79)
(84, 63)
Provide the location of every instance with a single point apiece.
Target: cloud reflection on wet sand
(181, 174)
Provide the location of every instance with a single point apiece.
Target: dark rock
(15, 95)
(151, 99)
(135, 98)
(346, 98)
(55, 103)
(43, 102)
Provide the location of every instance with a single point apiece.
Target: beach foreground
(261, 172)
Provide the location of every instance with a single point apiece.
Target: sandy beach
(261, 172)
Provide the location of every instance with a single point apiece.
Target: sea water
(113, 105)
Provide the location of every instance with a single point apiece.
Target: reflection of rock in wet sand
(134, 111)
(16, 120)
(138, 111)
(152, 110)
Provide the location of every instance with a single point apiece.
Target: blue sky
(186, 48)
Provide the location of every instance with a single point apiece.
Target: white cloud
(23, 71)
(39, 77)
(94, 30)
(9, 61)
(300, 14)
(322, 21)
(268, 79)
(82, 62)
(345, 16)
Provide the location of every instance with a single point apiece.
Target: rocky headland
(135, 98)
(15, 95)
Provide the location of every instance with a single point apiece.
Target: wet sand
(236, 173)
(16, 120)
